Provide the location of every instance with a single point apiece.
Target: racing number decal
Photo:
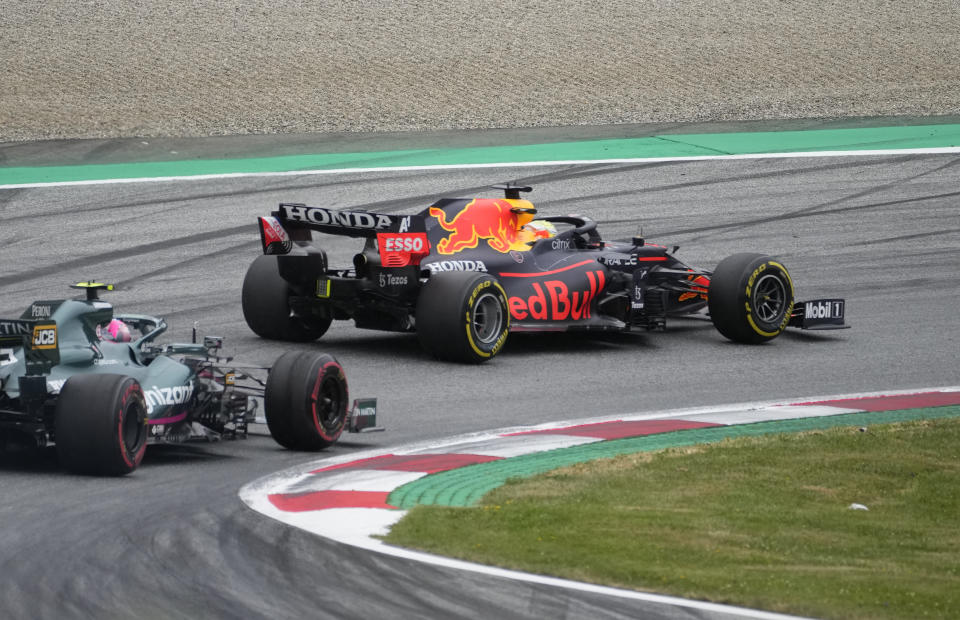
(44, 337)
(7, 357)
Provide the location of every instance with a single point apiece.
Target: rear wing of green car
(37, 339)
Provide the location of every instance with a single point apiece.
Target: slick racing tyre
(100, 424)
(750, 298)
(265, 301)
(462, 316)
(306, 400)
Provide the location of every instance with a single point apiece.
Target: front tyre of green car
(305, 400)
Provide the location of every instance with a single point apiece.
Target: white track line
(567, 162)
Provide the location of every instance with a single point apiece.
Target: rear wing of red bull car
(401, 238)
(293, 222)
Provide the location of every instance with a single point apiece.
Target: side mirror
(213, 342)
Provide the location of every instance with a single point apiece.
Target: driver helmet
(523, 210)
(117, 331)
(541, 229)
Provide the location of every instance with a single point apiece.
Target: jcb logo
(45, 337)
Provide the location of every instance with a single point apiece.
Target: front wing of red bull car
(465, 272)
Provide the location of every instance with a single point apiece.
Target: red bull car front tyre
(265, 301)
(750, 298)
(462, 316)
(101, 424)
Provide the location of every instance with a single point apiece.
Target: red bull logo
(553, 300)
(702, 284)
(483, 218)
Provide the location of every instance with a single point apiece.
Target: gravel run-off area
(106, 68)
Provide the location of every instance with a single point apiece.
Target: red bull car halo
(465, 272)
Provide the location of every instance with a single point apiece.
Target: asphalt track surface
(173, 540)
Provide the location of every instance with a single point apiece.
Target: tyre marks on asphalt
(903, 238)
(721, 180)
(804, 213)
(128, 252)
(242, 250)
(7, 197)
(831, 207)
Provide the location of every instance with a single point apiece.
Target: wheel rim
(487, 318)
(132, 428)
(327, 407)
(770, 298)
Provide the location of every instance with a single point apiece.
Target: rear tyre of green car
(100, 424)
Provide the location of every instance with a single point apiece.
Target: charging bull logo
(700, 286)
(483, 218)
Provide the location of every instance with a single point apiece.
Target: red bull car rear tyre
(462, 316)
(750, 298)
(101, 424)
(265, 301)
(306, 400)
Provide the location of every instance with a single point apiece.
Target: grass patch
(762, 522)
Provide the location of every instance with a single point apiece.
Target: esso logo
(403, 244)
(409, 243)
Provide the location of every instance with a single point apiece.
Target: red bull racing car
(465, 272)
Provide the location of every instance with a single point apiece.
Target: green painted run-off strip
(664, 146)
(465, 486)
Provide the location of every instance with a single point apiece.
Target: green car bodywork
(55, 340)
(101, 400)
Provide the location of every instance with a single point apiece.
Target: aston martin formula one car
(465, 272)
(99, 386)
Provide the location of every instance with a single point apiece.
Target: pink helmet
(116, 331)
